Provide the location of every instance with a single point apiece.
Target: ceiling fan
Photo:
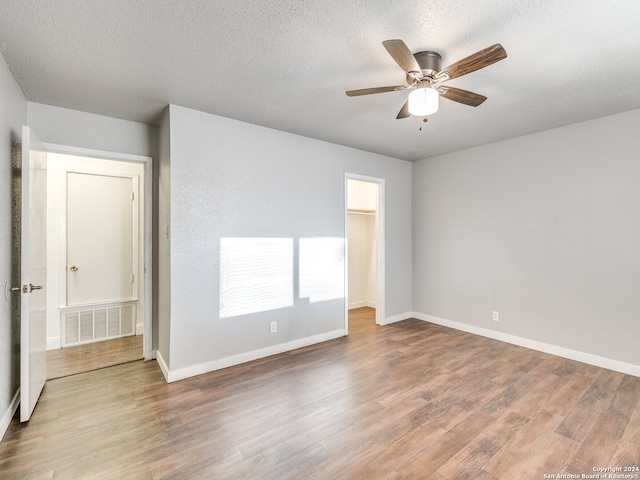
(425, 75)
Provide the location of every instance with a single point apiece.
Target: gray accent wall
(13, 114)
(544, 229)
(230, 179)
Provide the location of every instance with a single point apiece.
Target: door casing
(145, 270)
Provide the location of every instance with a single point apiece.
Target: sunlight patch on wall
(256, 275)
(322, 268)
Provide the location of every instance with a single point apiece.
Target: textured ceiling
(286, 64)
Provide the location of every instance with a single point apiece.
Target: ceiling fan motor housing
(430, 62)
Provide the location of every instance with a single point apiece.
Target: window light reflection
(256, 275)
(322, 268)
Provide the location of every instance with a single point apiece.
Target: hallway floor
(93, 356)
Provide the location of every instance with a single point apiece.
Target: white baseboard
(53, 343)
(192, 371)
(163, 365)
(8, 415)
(563, 352)
(139, 328)
(398, 318)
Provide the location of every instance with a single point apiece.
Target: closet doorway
(365, 245)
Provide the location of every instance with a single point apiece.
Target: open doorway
(99, 258)
(364, 215)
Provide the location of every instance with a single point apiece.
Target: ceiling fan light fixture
(424, 76)
(423, 101)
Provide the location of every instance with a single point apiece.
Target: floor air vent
(92, 324)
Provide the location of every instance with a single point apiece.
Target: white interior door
(33, 274)
(100, 239)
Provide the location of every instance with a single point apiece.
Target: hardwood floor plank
(230, 467)
(400, 452)
(306, 437)
(297, 466)
(469, 461)
(627, 454)
(410, 400)
(632, 432)
(67, 361)
(440, 450)
(580, 420)
(561, 400)
(627, 398)
(600, 443)
(533, 451)
(511, 396)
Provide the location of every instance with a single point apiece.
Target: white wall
(230, 179)
(63, 126)
(13, 114)
(544, 229)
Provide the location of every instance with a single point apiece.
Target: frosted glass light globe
(423, 101)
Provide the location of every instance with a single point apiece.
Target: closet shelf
(356, 211)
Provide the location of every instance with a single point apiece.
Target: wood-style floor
(63, 362)
(411, 400)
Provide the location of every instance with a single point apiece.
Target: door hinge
(132, 196)
(133, 278)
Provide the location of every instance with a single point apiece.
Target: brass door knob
(74, 268)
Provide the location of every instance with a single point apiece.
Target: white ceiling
(286, 64)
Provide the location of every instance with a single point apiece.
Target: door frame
(380, 234)
(147, 163)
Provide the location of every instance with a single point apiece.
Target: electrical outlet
(496, 316)
(274, 327)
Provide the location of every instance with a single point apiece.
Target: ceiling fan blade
(462, 96)
(474, 62)
(404, 111)
(369, 91)
(402, 55)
